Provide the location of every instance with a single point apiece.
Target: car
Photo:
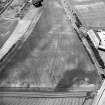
(102, 37)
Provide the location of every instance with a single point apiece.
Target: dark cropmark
(73, 76)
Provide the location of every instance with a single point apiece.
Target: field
(53, 56)
(91, 12)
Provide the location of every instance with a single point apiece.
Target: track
(70, 94)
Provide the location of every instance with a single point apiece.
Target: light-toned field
(91, 13)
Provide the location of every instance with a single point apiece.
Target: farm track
(44, 94)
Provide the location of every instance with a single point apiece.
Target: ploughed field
(52, 57)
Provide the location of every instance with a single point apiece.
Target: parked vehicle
(37, 3)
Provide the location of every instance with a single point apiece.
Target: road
(53, 56)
